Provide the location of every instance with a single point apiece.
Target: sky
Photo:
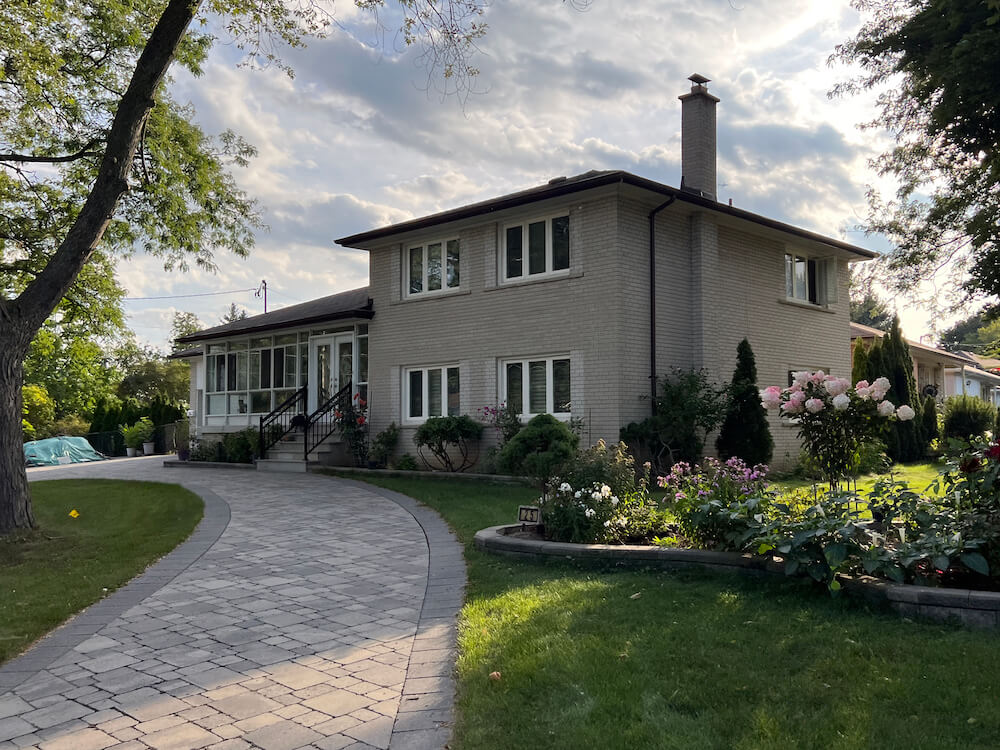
(361, 137)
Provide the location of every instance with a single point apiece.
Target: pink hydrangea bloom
(837, 386)
(904, 413)
(798, 397)
(886, 409)
(815, 405)
(801, 377)
(791, 407)
(841, 401)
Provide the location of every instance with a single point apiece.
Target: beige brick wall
(599, 314)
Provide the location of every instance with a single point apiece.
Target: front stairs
(286, 454)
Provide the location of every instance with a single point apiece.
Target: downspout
(652, 299)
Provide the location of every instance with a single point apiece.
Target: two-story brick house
(570, 298)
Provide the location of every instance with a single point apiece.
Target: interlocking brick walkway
(305, 612)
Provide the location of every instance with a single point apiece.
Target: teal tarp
(59, 450)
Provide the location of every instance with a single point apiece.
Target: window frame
(524, 224)
(526, 413)
(424, 245)
(821, 279)
(425, 392)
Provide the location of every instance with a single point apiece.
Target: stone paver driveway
(306, 611)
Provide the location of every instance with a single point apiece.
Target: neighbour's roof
(353, 304)
(987, 363)
(185, 353)
(569, 185)
(956, 358)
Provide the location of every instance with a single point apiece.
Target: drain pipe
(652, 299)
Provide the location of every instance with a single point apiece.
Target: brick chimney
(698, 138)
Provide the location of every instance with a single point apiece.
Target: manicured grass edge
(89, 621)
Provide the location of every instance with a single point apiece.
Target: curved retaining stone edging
(178, 464)
(404, 474)
(427, 709)
(88, 622)
(974, 609)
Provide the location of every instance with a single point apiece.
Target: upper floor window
(810, 279)
(432, 267)
(536, 247)
(537, 386)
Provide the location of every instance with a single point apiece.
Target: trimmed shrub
(968, 416)
(540, 450)
(745, 432)
(601, 465)
(444, 437)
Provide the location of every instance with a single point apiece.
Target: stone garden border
(973, 609)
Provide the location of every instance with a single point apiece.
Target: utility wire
(184, 296)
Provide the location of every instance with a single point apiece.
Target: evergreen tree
(930, 422)
(859, 370)
(745, 432)
(906, 441)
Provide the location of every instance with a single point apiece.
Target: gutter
(652, 298)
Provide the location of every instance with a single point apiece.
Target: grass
(918, 476)
(66, 564)
(695, 660)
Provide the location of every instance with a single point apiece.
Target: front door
(331, 366)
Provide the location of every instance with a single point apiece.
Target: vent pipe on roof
(698, 139)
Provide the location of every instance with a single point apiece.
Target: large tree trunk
(15, 502)
(21, 318)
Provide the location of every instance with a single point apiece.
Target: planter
(130, 452)
(148, 449)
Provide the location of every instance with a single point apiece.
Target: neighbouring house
(569, 298)
(941, 373)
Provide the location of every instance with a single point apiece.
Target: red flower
(361, 420)
(337, 414)
(357, 395)
(994, 451)
(362, 402)
(971, 465)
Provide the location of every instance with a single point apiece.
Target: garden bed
(974, 609)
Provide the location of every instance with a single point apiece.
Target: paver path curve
(311, 612)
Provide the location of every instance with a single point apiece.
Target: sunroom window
(432, 267)
(535, 248)
(537, 386)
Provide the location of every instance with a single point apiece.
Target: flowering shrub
(834, 419)
(352, 421)
(503, 419)
(601, 465)
(717, 504)
(593, 514)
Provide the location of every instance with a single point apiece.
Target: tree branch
(82, 153)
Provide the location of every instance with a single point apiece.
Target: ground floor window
(537, 386)
(431, 392)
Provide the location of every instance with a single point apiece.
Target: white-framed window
(535, 248)
(812, 280)
(432, 267)
(430, 392)
(252, 376)
(537, 385)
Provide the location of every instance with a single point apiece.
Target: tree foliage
(936, 61)
(867, 307)
(745, 432)
(974, 334)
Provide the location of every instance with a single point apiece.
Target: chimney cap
(698, 78)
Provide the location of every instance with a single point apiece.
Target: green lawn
(69, 563)
(695, 660)
(918, 476)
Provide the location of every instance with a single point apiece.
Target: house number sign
(528, 514)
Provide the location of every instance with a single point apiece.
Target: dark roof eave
(367, 314)
(574, 186)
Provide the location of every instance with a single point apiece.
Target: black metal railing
(326, 419)
(289, 415)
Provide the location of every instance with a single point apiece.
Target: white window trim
(548, 273)
(827, 279)
(425, 394)
(525, 384)
(422, 244)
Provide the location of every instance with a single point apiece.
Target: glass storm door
(331, 365)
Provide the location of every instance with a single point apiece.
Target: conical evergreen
(859, 369)
(929, 419)
(907, 443)
(745, 432)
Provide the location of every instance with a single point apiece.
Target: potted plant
(182, 437)
(137, 434)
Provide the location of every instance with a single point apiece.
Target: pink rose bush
(834, 418)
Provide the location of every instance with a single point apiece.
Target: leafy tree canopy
(234, 313)
(867, 307)
(973, 334)
(937, 61)
(184, 324)
(75, 372)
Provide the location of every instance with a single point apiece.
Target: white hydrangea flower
(578, 494)
(614, 500)
(841, 401)
(564, 487)
(589, 513)
(605, 491)
(595, 495)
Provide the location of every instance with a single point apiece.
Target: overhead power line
(185, 296)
